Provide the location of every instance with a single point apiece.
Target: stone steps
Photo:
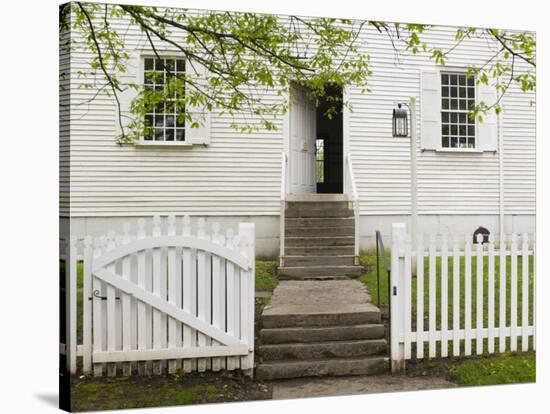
(319, 222)
(313, 271)
(319, 241)
(328, 260)
(307, 334)
(320, 315)
(319, 251)
(322, 367)
(323, 350)
(318, 328)
(326, 231)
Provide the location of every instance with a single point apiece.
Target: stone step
(320, 251)
(325, 367)
(290, 261)
(317, 315)
(319, 222)
(319, 270)
(320, 241)
(319, 231)
(323, 350)
(320, 212)
(321, 333)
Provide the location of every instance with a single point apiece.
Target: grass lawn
(479, 370)
(266, 275)
(92, 394)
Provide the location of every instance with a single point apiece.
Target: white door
(303, 126)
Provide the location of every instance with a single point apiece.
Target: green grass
(266, 275)
(499, 369)
(91, 394)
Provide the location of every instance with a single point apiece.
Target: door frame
(345, 136)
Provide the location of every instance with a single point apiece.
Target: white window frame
(475, 149)
(140, 79)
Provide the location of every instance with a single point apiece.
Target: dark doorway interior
(329, 144)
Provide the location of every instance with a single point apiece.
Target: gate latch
(394, 291)
(97, 294)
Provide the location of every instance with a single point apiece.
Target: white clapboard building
(468, 174)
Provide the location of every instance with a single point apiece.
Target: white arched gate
(169, 300)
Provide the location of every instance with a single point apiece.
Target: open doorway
(329, 144)
(316, 142)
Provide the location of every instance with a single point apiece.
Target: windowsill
(162, 144)
(460, 150)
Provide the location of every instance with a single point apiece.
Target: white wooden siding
(239, 174)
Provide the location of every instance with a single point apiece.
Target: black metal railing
(381, 251)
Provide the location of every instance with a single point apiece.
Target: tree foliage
(246, 55)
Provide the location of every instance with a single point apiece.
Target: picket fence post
(397, 297)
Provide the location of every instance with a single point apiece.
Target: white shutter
(487, 130)
(200, 135)
(430, 109)
(133, 76)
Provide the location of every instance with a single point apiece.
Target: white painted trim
(170, 241)
(169, 353)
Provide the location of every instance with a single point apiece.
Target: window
(320, 159)
(457, 97)
(164, 123)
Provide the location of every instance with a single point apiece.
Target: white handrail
(284, 162)
(351, 190)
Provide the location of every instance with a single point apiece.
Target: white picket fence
(166, 300)
(438, 322)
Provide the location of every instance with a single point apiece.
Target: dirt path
(324, 387)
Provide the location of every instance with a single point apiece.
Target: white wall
(239, 174)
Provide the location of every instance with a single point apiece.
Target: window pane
(445, 129)
(159, 134)
(454, 92)
(148, 64)
(454, 142)
(462, 130)
(462, 118)
(462, 80)
(454, 79)
(471, 93)
(180, 65)
(444, 91)
(445, 117)
(471, 130)
(471, 81)
(454, 118)
(180, 121)
(471, 143)
(462, 104)
(445, 142)
(170, 65)
(445, 104)
(169, 120)
(462, 92)
(454, 104)
(180, 134)
(159, 120)
(169, 135)
(454, 129)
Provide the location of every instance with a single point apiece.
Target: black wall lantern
(400, 122)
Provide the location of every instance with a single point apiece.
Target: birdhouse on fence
(484, 232)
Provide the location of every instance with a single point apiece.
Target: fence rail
(465, 297)
(161, 300)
